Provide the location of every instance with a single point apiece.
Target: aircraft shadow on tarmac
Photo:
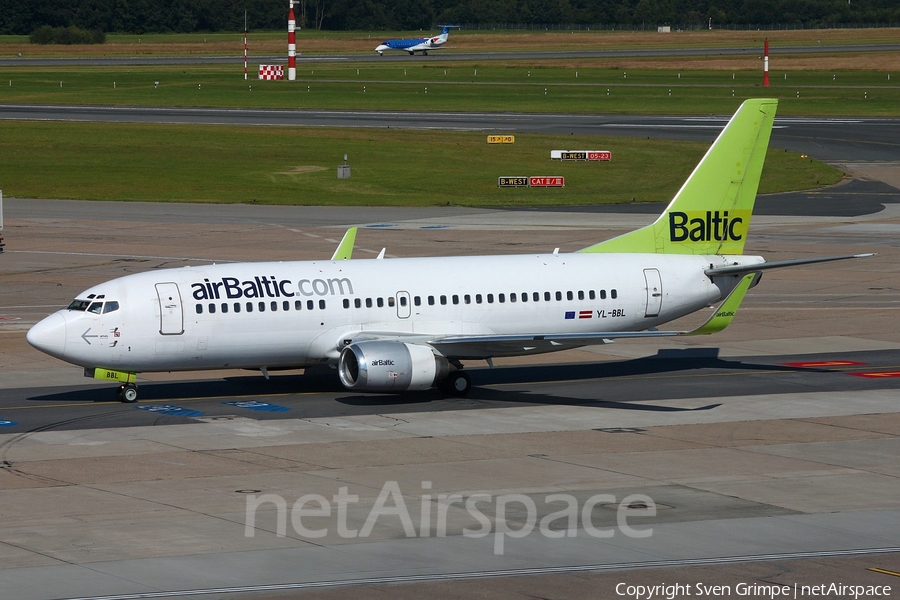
(324, 381)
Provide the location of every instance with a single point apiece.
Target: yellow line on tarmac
(885, 571)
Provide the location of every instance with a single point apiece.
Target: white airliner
(413, 45)
(391, 325)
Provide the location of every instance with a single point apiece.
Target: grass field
(250, 164)
(226, 164)
(455, 87)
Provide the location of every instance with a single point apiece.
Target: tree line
(160, 16)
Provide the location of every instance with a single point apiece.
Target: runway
(447, 54)
(828, 139)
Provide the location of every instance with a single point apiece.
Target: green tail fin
(711, 212)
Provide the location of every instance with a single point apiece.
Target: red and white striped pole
(766, 65)
(245, 45)
(292, 45)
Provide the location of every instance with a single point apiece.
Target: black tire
(457, 384)
(128, 393)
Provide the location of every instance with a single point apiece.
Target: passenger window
(110, 306)
(603, 294)
(443, 300)
(212, 308)
(467, 299)
(322, 304)
(262, 307)
(558, 296)
(592, 295)
(379, 302)
(403, 301)
(417, 301)
(199, 309)
(430, 300)
(237, 307)
(547, 296)
(298, 304)
(224, 307)
(580, 294)
(357, 303)
(455, 299)
(96, 308)
(490, 298)
(286, 305)
(569, 296)
(512, 297)
(477, 298)
(368, 303)
(501, 298)
(346, 303)
(274, 306)
(613, 294)
(310, 305)
(249, 307)
(536, 296)
(524, 296)
(390, 301)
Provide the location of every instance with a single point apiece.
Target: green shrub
(66, 35)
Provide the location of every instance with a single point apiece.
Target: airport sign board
(512, 181)
(547, 181)
(581, 155)
(501, 139)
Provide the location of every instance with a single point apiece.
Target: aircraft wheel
(424, 52)
(457, 384)
(128, 393)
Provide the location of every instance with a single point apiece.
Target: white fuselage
(291, 314)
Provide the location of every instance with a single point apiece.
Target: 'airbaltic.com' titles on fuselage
(231, 288)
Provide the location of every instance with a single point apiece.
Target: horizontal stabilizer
(755, 268)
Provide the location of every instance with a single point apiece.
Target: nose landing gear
(127, 393)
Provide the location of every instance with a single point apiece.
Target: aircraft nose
(49, 335)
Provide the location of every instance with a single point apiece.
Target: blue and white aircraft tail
(413, 45)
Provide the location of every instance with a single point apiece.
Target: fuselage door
(403, 306)
(654, 292)
(171, 318)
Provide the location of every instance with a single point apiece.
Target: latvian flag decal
(582, 314)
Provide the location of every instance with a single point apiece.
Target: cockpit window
(79, 305)
(96, 308)
(110, 306)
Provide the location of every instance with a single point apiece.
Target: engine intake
(390, 367)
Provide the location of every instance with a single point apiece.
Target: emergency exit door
(171, 318)
(654, 292)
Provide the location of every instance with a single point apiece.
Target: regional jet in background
(413, 45)
(397, 324)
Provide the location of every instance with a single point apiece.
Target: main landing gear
(127, 393)
(457, 384)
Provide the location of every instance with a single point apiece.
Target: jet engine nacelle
(390, 367)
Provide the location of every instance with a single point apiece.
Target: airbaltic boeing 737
(391, 325)
(413, 45)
